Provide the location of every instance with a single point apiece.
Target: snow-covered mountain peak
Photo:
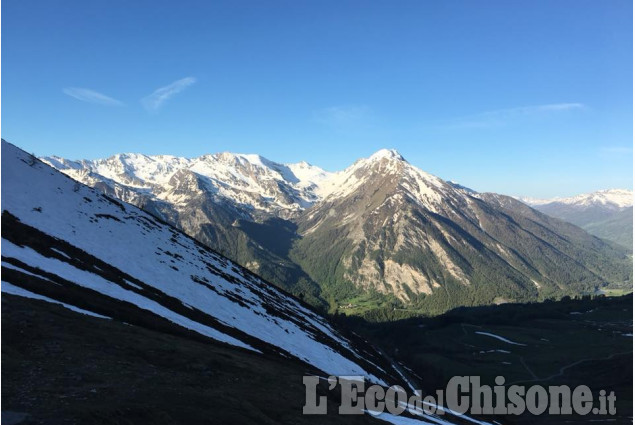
(308, 174)
(242, 159)
(383, 166)
(532, 201)
(621, 198)
(614, 198)
(390, 154)
(131, 157)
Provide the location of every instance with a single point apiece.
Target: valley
(571, 342)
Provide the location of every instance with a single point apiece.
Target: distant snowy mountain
(251, 182)
(380, 228)
(532, 201)
(605, 213)
(610, 198)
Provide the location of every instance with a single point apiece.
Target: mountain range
(607, 214)
(124, 280)
(378, 238)
(112, 315)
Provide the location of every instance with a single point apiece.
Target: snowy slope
(66, 242)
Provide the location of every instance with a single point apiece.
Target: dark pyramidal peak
(381, 233)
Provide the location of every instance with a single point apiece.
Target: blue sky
(531, 98)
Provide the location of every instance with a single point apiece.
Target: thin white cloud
(500, 117)
(91, 96)
(155, 100)
(342, 115)
(618, 149)
(555, 107)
